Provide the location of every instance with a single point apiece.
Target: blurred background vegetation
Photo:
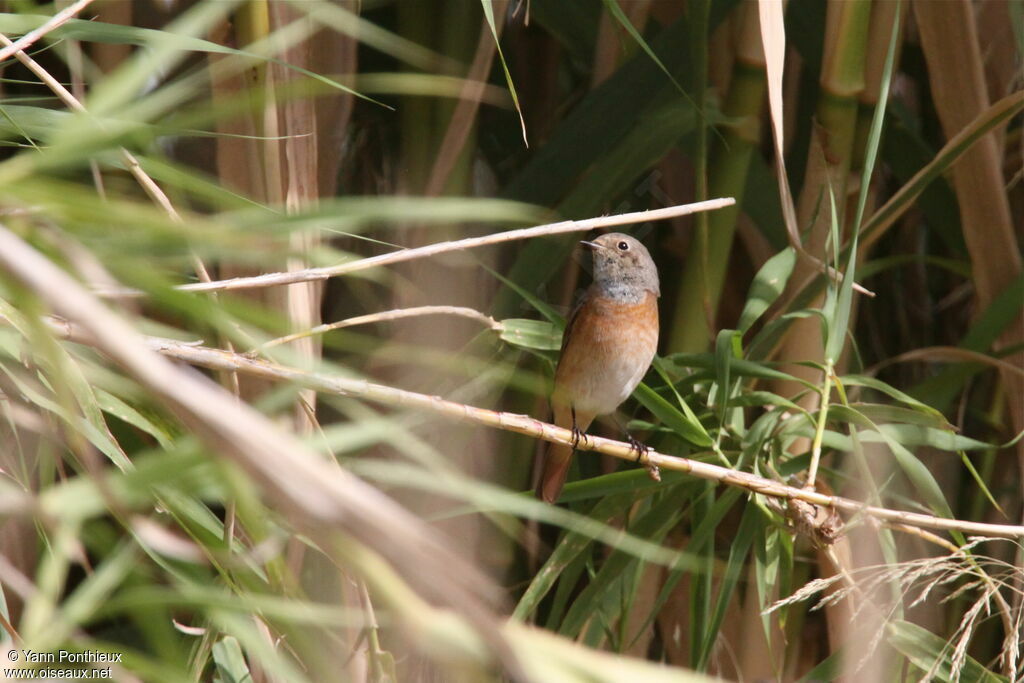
(218, 533)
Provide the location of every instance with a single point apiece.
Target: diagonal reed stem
(219, 359)
(326, 272)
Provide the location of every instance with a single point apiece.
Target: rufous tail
(559, 456)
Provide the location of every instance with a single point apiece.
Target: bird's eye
(623, 246)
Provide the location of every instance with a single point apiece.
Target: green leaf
(925, 650)
(687, 426)
(568, 549)
(889, 390)
(636, 481)
(30, 123)
(543, 308)
(752, 526)
(769, 565)
(765, 398)
(994, 116)
(613, 8)
(875, 133)
(830, 669)
(767, 286)
(727, 349)
(839, 316)
(654, 524)
(96, 588)
(883, 413)
(489, 15)
(738, 366)
(113, 34)
(709, 522)
(531, 334)
(911, 436)
(982, 485)
(350, 23)
(114, 406)
(88, 425)
(914, 469)
(229, 661)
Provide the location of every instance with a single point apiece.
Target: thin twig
(921, 533)
(950, 354)
(72, 102)
(319, 498)
(152, 189)
(219, 359)
(524, 424)
(460, 123)
(819, 431)
(326, 272)
(147, 183)
(52, 23)
(384, 316)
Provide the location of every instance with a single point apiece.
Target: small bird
(608, 344)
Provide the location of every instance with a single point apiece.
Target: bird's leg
(641, 450)
(618, 421)
(576, 433)
(634, 445)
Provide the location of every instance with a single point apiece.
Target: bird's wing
(572, 321)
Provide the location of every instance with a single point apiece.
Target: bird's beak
(591, 245)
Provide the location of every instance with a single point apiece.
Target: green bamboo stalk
(883, 14)
(708, 257)
(829, 163)
(842, 82)
(461, 24)
(417, 21)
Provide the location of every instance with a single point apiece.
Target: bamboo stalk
(951, 46)
(707, 260)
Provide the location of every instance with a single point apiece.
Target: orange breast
(610, 346)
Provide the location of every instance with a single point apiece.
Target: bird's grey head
(623, 268)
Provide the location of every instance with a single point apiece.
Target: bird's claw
(577, 435)
(634, 445)
(641, 450)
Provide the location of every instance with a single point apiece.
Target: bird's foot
(641, 450)
(577, 436)
(634, 445)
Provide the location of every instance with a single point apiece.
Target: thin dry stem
(384, 316)
(773, 37)
(322, 499)
(950, 354)
(152, 189)
(985, 575)
(461, 122)
(148, 184)
(326, 272)
(53, 22)
(219, 359)
(924, 535)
